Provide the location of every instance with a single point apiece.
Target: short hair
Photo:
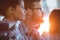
(29, 3)
(54, 20)
(5, 4)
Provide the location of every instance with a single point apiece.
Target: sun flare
(44, 27)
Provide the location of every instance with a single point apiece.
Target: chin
(37, 26)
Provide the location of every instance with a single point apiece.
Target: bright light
(45, 26)
(52, 4)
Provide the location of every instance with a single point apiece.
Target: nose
(24, 14)
(25, 11)
(42, 14)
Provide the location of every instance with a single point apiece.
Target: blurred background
(49, 5)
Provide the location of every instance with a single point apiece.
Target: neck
(28, 25)
(28, 22)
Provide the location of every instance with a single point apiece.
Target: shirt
(19, 31)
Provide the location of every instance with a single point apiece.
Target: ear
(29, 12)
(11, 10)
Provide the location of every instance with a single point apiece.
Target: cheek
(37, 13)
(17, 14)
(37, 17)
(22, 14)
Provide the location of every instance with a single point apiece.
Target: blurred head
(12, 8)
(54, 20)
(34, 11)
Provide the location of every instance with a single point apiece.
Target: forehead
(36, 5)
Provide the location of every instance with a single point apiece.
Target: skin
(34, 16)
(14, 14)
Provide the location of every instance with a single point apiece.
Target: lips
(36, 26)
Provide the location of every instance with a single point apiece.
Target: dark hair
(5, 4)
(54, 20)
(29, 3)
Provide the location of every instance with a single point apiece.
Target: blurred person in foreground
(13, 11)
(54, 28)
(34, 17)
(54, 20)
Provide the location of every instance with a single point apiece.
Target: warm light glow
(44, 27)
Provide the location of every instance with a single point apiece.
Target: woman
(54, 20)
